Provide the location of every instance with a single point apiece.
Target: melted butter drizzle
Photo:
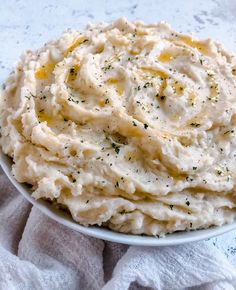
(75, 44)
(163, 76)
(117, 85)
(201, 46)
(73, 73)
(165, 57)
(45, 71)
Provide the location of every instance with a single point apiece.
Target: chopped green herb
(219, 172)
(116, 147)
(148, 84)
(229, 131)
(195, 125)
(106, 68)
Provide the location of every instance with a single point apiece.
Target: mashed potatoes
(128, 125)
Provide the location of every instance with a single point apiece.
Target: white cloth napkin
(38, 253)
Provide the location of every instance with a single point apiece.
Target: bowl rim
(65, 219)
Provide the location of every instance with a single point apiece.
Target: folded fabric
(38, 253)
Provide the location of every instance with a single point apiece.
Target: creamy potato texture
(128, 125)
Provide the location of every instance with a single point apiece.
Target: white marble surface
(29, 23)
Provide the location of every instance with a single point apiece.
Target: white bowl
(106, 234)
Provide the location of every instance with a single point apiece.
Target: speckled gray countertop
(28, 24)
